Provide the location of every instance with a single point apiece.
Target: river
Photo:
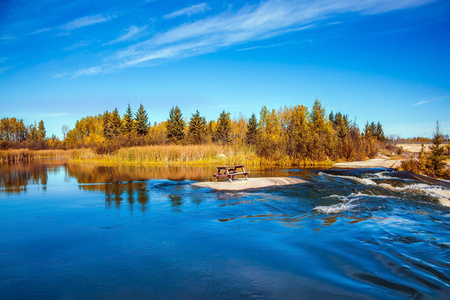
(94, 232)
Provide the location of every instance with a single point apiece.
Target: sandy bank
(371, 163)
(251, 183)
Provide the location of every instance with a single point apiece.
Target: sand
(251, 183)
(371, 163)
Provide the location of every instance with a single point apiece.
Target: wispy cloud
(60, 75)
(88, 71)
(41, 30)
(188, 11)
(85, 21)
(262, 47)
(132, 32)
(7, 37)
(78, 45)
(250, 23)
(431, 100)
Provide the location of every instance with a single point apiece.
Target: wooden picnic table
(230, 171)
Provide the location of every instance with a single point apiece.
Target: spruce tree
(224, 128)
(368, 131)
(341, 125)
(436, 158)
(141, 123)
(318, 116)
(115, 122)
(175, 126)
(379, 132)
(107, 126)
(197, 128)
(127, 121)
(252, 130)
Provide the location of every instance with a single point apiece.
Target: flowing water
(91, 232)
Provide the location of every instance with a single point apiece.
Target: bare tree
(64, 130)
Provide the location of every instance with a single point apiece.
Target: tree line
(294, 132)
(15, 134)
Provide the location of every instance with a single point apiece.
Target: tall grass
(172, 155)
(210, 154)
(189, 155)
(13, 155)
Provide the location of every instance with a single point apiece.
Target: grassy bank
(173, 155)
(188, 155)
(14, 155)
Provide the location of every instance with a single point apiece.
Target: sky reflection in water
(81, 231)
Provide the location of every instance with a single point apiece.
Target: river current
(92, 232)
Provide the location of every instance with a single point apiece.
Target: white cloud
(60, 75)
(7, 37)
(262, 47)
(431, 100)
(41, 30)
(78, 45)
(85, 21)
(130, 33)
(191, 10)
(248, 24)
(88, 71)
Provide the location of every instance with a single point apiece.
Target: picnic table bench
(230, 171)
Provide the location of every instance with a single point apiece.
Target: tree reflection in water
(15, 177)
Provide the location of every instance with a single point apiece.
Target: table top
(230, 167)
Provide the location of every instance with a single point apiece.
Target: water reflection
(15, 177)
(176, 202)
(86, 173)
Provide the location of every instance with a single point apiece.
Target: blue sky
(374, 60)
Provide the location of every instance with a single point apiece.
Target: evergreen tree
(223, 130)
(127, 121)
(197, 129)
(318, 116)
(175, 126)
(341, 125)
(436, 158)
(107, 126)
(252, 130)
(379, 132)
(115, 122)
(141, 124)
(331, 117)
(368, 130)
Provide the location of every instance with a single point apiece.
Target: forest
(295, 134)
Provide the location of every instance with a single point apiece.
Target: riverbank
(176, 155)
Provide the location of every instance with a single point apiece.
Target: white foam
(340, 207)
(439, 193)
(365, 181)
(379, 175)
(335, 208)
